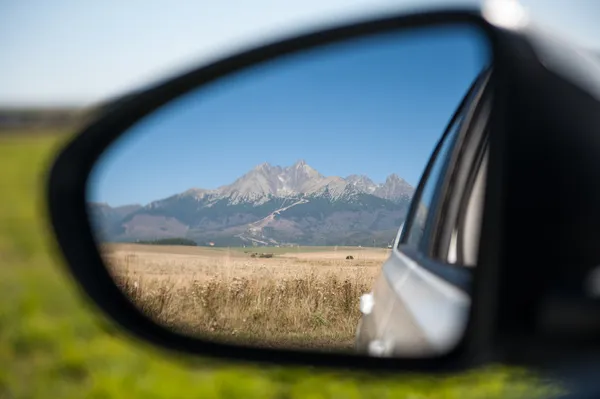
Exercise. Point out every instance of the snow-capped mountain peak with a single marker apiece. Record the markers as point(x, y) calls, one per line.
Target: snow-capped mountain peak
point(266, 180)
point(362, 182)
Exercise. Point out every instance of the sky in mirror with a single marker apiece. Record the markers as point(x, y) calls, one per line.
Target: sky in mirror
point(372, 106)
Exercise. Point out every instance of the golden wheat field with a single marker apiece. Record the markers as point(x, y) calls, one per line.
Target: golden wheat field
point(304, 298)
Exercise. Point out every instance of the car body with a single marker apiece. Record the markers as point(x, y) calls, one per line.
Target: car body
point(419, 306)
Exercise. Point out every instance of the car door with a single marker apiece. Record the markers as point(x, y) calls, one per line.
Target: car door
point(419, 303)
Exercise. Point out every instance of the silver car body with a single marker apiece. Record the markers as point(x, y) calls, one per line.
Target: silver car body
point(410, 311)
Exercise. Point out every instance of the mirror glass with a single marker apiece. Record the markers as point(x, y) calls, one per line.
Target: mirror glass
point(261, 208)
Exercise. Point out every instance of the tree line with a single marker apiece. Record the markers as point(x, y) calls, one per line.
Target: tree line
point(170, 241)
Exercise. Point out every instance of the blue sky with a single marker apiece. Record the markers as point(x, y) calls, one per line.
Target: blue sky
point(373, 106)
point(80, 52)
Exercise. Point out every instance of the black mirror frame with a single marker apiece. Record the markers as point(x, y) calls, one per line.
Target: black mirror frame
point(66, 195)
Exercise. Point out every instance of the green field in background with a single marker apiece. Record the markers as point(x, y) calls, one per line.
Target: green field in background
point(53, 344)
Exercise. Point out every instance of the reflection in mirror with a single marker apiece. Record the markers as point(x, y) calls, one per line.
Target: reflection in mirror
point(259, 209)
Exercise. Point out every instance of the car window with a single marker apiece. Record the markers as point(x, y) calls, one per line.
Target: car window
point(435, 177)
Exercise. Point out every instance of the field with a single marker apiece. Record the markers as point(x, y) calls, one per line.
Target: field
point(301, 297)
point(54, 344)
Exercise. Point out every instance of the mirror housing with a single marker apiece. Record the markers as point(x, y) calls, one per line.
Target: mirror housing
point(490, 335)
point(70, 219)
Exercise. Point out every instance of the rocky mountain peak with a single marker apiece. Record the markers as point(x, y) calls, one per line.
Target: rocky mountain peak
point(362, 182)
point(262, 167)
point(197, 193)
point(394, 188)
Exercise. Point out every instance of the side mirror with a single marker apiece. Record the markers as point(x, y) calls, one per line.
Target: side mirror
point(222, 213)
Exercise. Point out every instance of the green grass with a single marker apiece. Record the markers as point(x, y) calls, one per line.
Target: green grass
point(53, 344)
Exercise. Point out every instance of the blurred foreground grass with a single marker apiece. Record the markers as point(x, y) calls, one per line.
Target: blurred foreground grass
point(53, 346)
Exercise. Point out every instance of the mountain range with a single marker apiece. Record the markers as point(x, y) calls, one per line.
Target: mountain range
point(269, 205)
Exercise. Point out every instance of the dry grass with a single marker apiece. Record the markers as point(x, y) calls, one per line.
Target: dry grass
point(305, 300)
